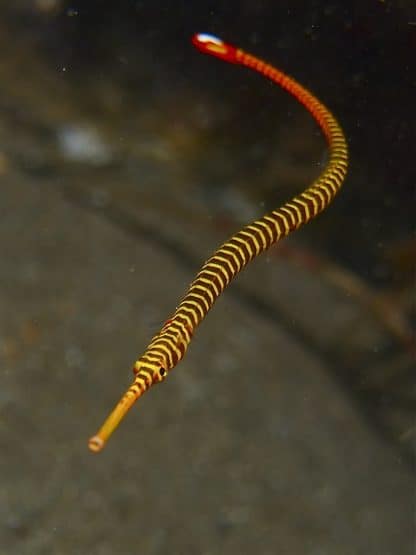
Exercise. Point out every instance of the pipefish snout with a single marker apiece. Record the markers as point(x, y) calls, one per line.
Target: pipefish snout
point(169, 345)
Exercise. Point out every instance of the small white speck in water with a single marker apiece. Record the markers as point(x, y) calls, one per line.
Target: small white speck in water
point(83, 144)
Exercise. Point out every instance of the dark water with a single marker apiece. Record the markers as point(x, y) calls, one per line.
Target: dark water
point(126, 159)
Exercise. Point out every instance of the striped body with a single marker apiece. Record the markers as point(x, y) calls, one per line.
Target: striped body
point(168, 346)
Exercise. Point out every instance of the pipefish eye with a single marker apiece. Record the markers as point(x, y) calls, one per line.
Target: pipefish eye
point(162, 371)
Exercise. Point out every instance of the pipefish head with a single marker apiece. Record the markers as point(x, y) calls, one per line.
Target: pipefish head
point(163, 353)
point(150, 369)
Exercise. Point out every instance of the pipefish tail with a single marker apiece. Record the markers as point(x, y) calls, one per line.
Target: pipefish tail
point(169, 345)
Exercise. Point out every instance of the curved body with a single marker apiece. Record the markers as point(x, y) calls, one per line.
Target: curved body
point(169, 345)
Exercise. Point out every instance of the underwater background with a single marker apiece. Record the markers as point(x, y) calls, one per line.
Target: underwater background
point(126, 159)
